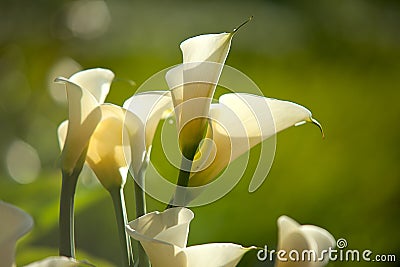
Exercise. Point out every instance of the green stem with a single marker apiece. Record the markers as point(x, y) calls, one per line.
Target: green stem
point(183, 181)
point(66, 219)
point(117, 196)
point(140, 199)
point(183, 178)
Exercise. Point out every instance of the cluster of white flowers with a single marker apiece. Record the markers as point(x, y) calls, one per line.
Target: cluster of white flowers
point(111, 139)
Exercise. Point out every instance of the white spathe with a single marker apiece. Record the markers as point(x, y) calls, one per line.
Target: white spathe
point(109, 151)
point(207, 47)
point(14, 223)
point(293, 236)
point(163, 236)
point(149, 108)
point(114, 137)
point(193, 83)
point(95, 130)
point(86, 91)
point(238, 122)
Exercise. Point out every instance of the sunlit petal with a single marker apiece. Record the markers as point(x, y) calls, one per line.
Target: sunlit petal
point(293, 236)
point(108, 154)
point(14, 223)
point(215, 255)
point(164, 236)
point(56, 262)
point(207, 47)
point(96, 81)
point(255, 113)
point(193, 83)
point(84, 114)
point(324, 240)
point(62, 133)
point(239, 122)
point(150, 107)
point(170, 226)
point(192, 90)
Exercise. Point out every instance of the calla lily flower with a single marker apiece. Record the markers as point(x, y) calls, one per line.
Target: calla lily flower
point(193, 83)
point(164, 235)
point(86, 91)
point(116, 137)
point(109, 154)
point(14, 223)
point(148, 108)
point(234, 125)
point(238, 122)
point(109, 139)
point(124, 136)
point(295, 237)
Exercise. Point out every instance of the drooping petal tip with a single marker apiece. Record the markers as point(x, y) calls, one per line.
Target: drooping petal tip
point(314, 121)
point(60, 80)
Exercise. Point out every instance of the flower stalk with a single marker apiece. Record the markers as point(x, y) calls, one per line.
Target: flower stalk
point(117, 195)
point(140, 197)
point(140, 201)
point(183, 181)
point(66, 219)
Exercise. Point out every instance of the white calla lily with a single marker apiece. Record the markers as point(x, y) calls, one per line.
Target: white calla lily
point(108, 138)
point(86, 91)
point(120, 139)
point(109, 151)
point(238, 122)
point(295, 237)
point(193, 83)
point(14, 223)
point(164, 235)
point(136, 127)
point(149, 108)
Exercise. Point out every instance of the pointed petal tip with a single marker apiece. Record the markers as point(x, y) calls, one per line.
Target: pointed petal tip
point(314, 121)
point(242, 24)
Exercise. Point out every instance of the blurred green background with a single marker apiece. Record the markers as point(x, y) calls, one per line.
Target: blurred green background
point(341, 59)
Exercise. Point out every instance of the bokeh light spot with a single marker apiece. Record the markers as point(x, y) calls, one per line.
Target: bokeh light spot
point(88, 19)
point(23, 162)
